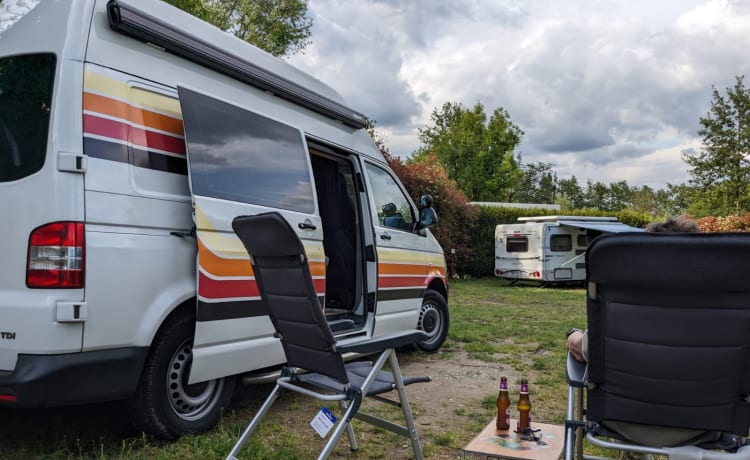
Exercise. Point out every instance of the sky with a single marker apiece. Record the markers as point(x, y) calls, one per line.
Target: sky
point(604, 90)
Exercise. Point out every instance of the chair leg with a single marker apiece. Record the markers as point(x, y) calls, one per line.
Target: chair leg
point(578, 415)
point(349, 430)
point(405, 406)
point(343, 425)
point(254, 423)
point(570, 431)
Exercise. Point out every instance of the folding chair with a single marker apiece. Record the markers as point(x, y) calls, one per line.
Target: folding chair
point(281, 270)
point(668, 347)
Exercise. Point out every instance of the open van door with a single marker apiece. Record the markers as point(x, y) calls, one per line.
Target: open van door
point(241, 163)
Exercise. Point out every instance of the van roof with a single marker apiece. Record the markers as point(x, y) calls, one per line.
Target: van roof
point(185, 35)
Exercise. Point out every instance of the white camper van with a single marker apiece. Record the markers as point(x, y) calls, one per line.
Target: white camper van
point(131, 134)
point(549, 249)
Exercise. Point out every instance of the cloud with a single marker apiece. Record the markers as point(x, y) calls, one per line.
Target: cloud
point(592, 84)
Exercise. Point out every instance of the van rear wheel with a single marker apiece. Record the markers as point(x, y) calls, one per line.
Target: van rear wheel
point(434, 320)
point(164, 405)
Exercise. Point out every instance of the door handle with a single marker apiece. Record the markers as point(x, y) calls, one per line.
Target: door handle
point(385, 236)
point(307, 225)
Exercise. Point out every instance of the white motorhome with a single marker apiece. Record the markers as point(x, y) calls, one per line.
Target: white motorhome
point(549, 249)
point(131, 134)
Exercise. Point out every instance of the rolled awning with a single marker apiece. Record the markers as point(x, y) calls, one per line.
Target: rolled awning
point(605, 227)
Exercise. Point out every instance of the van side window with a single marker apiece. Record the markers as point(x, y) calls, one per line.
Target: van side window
point(392, 206)
point(26, 98)
point(517, 244)
point(560, 243)
point(582, 240)
point(238, 155)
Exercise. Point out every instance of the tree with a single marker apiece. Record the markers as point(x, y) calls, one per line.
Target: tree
point(477, 153)
point(570, 194)
point(280, 27)
point(720, 171)
point(538, 184)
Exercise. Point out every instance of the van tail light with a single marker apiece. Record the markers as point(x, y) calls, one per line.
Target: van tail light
point(56, 256)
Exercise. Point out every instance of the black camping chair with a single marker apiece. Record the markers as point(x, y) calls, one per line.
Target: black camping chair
point(283, 276)
point(668, 347)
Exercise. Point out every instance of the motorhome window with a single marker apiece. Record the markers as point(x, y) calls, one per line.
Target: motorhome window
point(517, 244)
point(26, 99)
point(238, 155)
point(560, 243)
point(582, 240)
point(391, 204)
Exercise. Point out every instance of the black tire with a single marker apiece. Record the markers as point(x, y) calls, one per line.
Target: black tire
point(164, 405)
point(433, 319)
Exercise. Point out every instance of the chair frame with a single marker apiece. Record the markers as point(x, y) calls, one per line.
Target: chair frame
point(346, 384)
point(668, 254)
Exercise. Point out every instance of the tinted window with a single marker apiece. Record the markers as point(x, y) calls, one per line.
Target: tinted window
point(25, 98)
point(239, 155)
point(517, 244)
point(560, 243)
point(582, 240)
point(391, 204)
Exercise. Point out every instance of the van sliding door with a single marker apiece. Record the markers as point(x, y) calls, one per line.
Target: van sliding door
point(241, 163)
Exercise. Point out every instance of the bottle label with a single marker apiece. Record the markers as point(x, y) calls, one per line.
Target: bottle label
point(524, 389)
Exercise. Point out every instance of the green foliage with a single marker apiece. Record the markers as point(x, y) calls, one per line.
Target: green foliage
point(280, 27)
point(477, 153)
point(720, 171)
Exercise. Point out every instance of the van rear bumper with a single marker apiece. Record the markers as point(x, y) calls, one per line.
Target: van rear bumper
point(56, 380)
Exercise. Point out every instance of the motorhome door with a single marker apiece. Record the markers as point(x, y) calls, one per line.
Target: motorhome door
point(241, 163)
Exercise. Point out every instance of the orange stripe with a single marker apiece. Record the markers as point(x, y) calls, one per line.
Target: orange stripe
point(407, 269)
point(114, 108)
point(219, 266)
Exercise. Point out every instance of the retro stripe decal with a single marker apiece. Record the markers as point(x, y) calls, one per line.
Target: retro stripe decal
point(226, 283)
point(132, 125)
point(405, 274)
point(230, 310)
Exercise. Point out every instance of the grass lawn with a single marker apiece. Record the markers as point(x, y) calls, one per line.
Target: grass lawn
point(520, 330)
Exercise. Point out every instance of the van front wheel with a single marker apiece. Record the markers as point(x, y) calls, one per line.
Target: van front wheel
point(164, 405)
point(434, 320)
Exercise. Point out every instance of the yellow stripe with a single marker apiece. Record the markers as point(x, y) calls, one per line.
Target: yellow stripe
point(389, 255)
point(228, 245)
point(94, 81)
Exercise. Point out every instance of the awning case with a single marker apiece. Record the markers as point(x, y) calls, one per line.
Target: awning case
point(605, 227)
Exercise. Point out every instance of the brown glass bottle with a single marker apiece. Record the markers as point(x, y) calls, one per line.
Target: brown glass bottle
point(503, 405)
point(524, 408)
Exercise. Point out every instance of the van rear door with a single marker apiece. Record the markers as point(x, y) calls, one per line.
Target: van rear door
point(241, 163)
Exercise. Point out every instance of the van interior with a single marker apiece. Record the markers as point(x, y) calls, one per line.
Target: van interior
point(339, 212)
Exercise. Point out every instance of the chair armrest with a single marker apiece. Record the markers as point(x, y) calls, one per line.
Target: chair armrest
point(383, 342)
point(575, 372)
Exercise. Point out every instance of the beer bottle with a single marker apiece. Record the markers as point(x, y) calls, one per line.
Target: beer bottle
point(503, 405)
point(524, 408)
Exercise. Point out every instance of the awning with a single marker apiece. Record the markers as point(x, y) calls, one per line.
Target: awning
point(604, 227)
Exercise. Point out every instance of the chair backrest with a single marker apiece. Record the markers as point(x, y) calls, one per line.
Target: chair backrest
point(669, 330)
point(283, 275)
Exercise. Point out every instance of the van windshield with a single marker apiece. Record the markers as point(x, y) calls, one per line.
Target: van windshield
point(25, 101)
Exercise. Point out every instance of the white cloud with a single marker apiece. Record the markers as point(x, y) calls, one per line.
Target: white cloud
point(603, 89)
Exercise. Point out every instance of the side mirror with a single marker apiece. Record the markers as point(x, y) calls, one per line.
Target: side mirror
point(427, 215)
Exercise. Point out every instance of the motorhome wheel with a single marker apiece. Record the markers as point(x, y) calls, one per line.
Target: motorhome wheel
point(164, 404)
point(433, 319)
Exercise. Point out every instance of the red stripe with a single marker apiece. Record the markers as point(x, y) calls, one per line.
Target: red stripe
point(392, 282)
point(210, 288)
point(220, 289)
point(139, 136)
